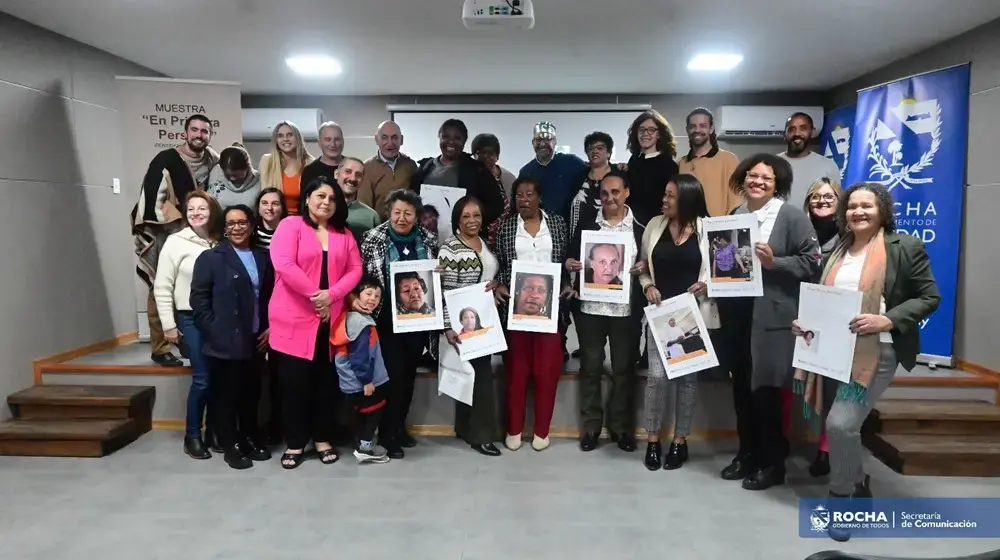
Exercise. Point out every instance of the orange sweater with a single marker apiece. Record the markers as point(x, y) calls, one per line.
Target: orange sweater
point(714, 171)
point(291, 189)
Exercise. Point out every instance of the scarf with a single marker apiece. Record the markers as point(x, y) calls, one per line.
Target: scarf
point(395, 240)
point(867, 347)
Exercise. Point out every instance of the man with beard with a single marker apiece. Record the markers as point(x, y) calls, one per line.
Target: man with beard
point(711, 165)
point(172, 175)
point(559, 174)
point(807, 165)
point(386, 171)
point(331, 144)
point(360, 216)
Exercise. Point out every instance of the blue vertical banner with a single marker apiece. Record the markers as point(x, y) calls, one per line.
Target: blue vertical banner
point(835, 140)
point(911, 135)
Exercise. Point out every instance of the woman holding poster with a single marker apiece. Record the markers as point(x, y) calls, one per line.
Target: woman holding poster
point(536, 236)
point(465, 261)
point(599, 322)
point(759, 331)
point(397, 240)
point(893, 273)
point(676, 244)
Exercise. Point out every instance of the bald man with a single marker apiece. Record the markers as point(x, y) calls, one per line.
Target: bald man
point(387, 171)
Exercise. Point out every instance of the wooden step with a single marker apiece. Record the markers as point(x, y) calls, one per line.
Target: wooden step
point(937, 455)
point(944, 417)
point(66, 438)
point(84, 402)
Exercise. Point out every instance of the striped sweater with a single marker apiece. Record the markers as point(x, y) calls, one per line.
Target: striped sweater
point(461, 267)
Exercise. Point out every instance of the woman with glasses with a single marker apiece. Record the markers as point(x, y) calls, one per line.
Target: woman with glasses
point(757, 332)
point(486, 149)
point(586, 205)
point(230, 291)
point(652, 166)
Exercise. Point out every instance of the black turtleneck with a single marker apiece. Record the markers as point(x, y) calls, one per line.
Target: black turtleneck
point(647, 178)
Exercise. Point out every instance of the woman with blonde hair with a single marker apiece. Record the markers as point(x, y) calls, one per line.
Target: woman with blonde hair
point(282, 167)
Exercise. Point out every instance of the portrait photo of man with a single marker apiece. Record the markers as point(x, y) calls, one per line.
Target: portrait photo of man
point(533, 295)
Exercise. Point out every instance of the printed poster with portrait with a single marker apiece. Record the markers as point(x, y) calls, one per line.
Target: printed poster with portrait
point(680, 335)
point(607, 258)
point(826, 346)
point(474, 317)
point(416, 296)
point(534, 297)
point(442, 200)
point(734, 269)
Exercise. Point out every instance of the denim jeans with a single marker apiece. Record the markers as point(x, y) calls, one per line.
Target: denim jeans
point(198, 394)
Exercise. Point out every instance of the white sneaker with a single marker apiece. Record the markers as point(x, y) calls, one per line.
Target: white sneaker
point(540, 444)
point(372, 454)
point(513, 442)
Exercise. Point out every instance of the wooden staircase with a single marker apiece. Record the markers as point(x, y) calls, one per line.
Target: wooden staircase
point(75, 420)
point(935, 438)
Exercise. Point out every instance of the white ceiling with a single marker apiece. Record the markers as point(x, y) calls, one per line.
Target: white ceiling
point(577, 46)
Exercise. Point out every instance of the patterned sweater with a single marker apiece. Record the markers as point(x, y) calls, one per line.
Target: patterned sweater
point(462, 267)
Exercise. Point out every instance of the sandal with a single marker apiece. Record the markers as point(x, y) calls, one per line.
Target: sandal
point(295, 458)
point(328, 456)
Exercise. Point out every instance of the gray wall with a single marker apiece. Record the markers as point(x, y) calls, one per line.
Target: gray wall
point(64, 237)
point(978, 304)
point(361, 115)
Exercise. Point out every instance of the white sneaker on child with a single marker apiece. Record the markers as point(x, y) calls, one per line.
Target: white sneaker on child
point(371, 453)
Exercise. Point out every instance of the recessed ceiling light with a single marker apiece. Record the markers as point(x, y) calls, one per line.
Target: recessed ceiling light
point(314, 66)
point(715, 61)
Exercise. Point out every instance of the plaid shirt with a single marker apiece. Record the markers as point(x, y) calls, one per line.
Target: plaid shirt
point(506, 254)
point(374, 250)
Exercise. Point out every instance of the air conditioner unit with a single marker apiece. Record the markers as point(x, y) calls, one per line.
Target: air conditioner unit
point(745, 121)
point(498, 13)
point(258, 124)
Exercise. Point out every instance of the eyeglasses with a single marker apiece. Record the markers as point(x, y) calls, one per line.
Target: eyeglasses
point(828, 197)
point(238, 224)
point(648, 131)
point(762, 178)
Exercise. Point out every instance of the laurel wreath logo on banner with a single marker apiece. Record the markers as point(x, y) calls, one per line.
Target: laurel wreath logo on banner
point(882, 170)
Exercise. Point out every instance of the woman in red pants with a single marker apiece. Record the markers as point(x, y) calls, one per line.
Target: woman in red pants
point(530, 234)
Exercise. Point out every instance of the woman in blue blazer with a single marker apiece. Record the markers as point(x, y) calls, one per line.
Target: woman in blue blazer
point(230, 289)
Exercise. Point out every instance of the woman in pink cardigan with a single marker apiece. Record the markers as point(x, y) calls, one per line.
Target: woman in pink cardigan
point(316, 265)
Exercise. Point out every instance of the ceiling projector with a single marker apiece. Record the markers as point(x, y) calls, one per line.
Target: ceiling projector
point(477, 14)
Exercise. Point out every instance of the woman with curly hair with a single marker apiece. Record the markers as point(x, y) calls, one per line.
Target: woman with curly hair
point(653, 147)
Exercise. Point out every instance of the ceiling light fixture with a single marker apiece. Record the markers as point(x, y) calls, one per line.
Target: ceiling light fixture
point(314, 66)
point(715, 61)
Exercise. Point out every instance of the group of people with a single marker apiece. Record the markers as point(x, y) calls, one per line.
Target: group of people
point(283, 273)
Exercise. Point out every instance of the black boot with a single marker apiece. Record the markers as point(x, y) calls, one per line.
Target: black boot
point(589, 441)
point(195, 448)
point(654, 456)
point(863, 490)
point(820, 465)
point(236, 459)
point(738, 469)
point(762, 479)
point(406, 440)
point(676, 456)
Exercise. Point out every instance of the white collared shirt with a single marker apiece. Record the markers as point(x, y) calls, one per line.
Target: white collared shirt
point(390, 162)
point(766, 217)
point(537, 248)
point(614, 309)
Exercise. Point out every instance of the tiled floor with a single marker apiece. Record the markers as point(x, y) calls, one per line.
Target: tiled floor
point(443, 502)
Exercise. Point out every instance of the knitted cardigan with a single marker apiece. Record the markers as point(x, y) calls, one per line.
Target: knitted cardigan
point(462, 267)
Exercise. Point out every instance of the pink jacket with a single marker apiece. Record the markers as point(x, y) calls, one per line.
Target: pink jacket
point(297, 257)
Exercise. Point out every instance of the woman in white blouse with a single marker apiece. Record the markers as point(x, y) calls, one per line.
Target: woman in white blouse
point(535, 235)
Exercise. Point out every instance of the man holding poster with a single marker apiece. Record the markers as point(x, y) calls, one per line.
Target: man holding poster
point(172, 175)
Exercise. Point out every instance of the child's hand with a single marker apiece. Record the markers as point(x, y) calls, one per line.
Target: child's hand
point(369, 389)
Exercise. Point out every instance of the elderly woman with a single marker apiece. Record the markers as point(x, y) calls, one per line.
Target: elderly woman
point(281, 168)
point(398, 239)
point(586, 205)
point(893, 273)
point(676, 244)
point(535, 235)
point(760, 338)
point(316, 265)
point(172, 291)
point(230, 291)
point(617, 324)
point(466, 260)
point(486, 149)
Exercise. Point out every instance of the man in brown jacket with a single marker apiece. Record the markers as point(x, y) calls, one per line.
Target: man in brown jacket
point(387, 170)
